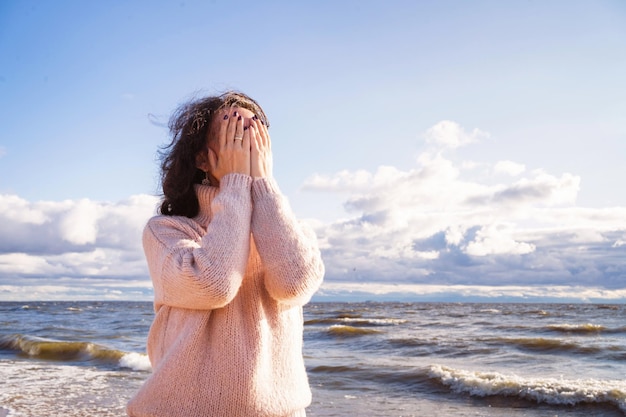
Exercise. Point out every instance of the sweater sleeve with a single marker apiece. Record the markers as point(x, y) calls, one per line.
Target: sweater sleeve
point(204, 274)
point(288, 249)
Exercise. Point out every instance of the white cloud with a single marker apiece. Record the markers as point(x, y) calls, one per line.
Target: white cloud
point(19, 210)
point(495, 239)
point(541, 188)
point(72, 239)
point(509, 168)
point(449, 134)
point(80, 224)
point(435, 224)
point(15, 264)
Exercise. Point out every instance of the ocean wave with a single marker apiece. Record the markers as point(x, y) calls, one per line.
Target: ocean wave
point(614, 307)
point(135, 361)
point(347, 331)
point(490, 310)
point(546, 390)
point(586, 328)
point(355, 375)
point(414, 342)
point(576, 328)
point(548, 345)
point(336, 369)
point(536, 313)
point(357, 321)
point(71, 351)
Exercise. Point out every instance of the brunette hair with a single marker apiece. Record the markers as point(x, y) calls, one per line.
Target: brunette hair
point(190, 128)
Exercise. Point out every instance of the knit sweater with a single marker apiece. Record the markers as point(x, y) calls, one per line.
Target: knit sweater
point(229, 286)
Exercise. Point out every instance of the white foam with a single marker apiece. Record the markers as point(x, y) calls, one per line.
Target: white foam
point(548, 390)
point(135, 361)
point(35, 388)
point(577, 327)
point(379, 322)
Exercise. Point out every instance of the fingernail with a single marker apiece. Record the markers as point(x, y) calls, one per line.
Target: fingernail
point(239, 118)
point(235, 114)
point(255, 118)
point(245, 128)
point(225, 117)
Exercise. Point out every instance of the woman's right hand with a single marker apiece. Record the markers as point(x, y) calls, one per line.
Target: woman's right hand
point(230, 151)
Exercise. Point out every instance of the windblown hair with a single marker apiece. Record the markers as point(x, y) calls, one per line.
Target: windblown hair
point(190, 129)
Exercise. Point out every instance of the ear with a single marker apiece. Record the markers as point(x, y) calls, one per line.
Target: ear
point(202, 161)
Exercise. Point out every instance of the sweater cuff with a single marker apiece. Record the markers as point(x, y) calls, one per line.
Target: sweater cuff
point(263, 186)
point(235, 180)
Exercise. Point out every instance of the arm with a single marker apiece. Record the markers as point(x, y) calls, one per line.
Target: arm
point(288, 249)
point(204, 274)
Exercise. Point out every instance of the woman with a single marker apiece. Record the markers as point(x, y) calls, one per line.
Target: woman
point(231, 269)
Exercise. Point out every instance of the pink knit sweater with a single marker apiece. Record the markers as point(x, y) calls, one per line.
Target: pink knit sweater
point(229, 286)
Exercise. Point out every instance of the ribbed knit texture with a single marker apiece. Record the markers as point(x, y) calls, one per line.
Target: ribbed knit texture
point(229, 286)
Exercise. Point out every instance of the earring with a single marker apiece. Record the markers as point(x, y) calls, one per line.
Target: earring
point(206, 180)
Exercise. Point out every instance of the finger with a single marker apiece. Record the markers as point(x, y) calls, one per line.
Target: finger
point(254, 140)
point(263, 133)
point(247, 138)
point(223, 129)
point(254, 145)
point(232, 126)
point(238, 135)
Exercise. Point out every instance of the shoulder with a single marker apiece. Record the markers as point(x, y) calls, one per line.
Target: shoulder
point(162, 225)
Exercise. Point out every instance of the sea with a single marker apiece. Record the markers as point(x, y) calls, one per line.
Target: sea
point(363, 359)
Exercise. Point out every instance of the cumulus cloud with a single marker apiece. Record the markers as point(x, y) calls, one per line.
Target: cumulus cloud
point(509, 168)
point(541, 188)
point(72, 240)
point(449, 134)
point(80, 224)
point(496, 239)
point(434, 224)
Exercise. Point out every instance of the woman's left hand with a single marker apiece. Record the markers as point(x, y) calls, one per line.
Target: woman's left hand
point(260, 150)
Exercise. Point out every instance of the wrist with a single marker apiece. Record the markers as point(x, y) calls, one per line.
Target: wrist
point(263, 186)
point(236, 179)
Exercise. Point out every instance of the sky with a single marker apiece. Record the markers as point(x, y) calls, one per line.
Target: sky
point(442, 150)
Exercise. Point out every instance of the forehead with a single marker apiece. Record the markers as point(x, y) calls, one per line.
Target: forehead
point(247, 114)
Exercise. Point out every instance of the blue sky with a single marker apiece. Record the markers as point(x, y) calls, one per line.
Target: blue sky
point(442, 150)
